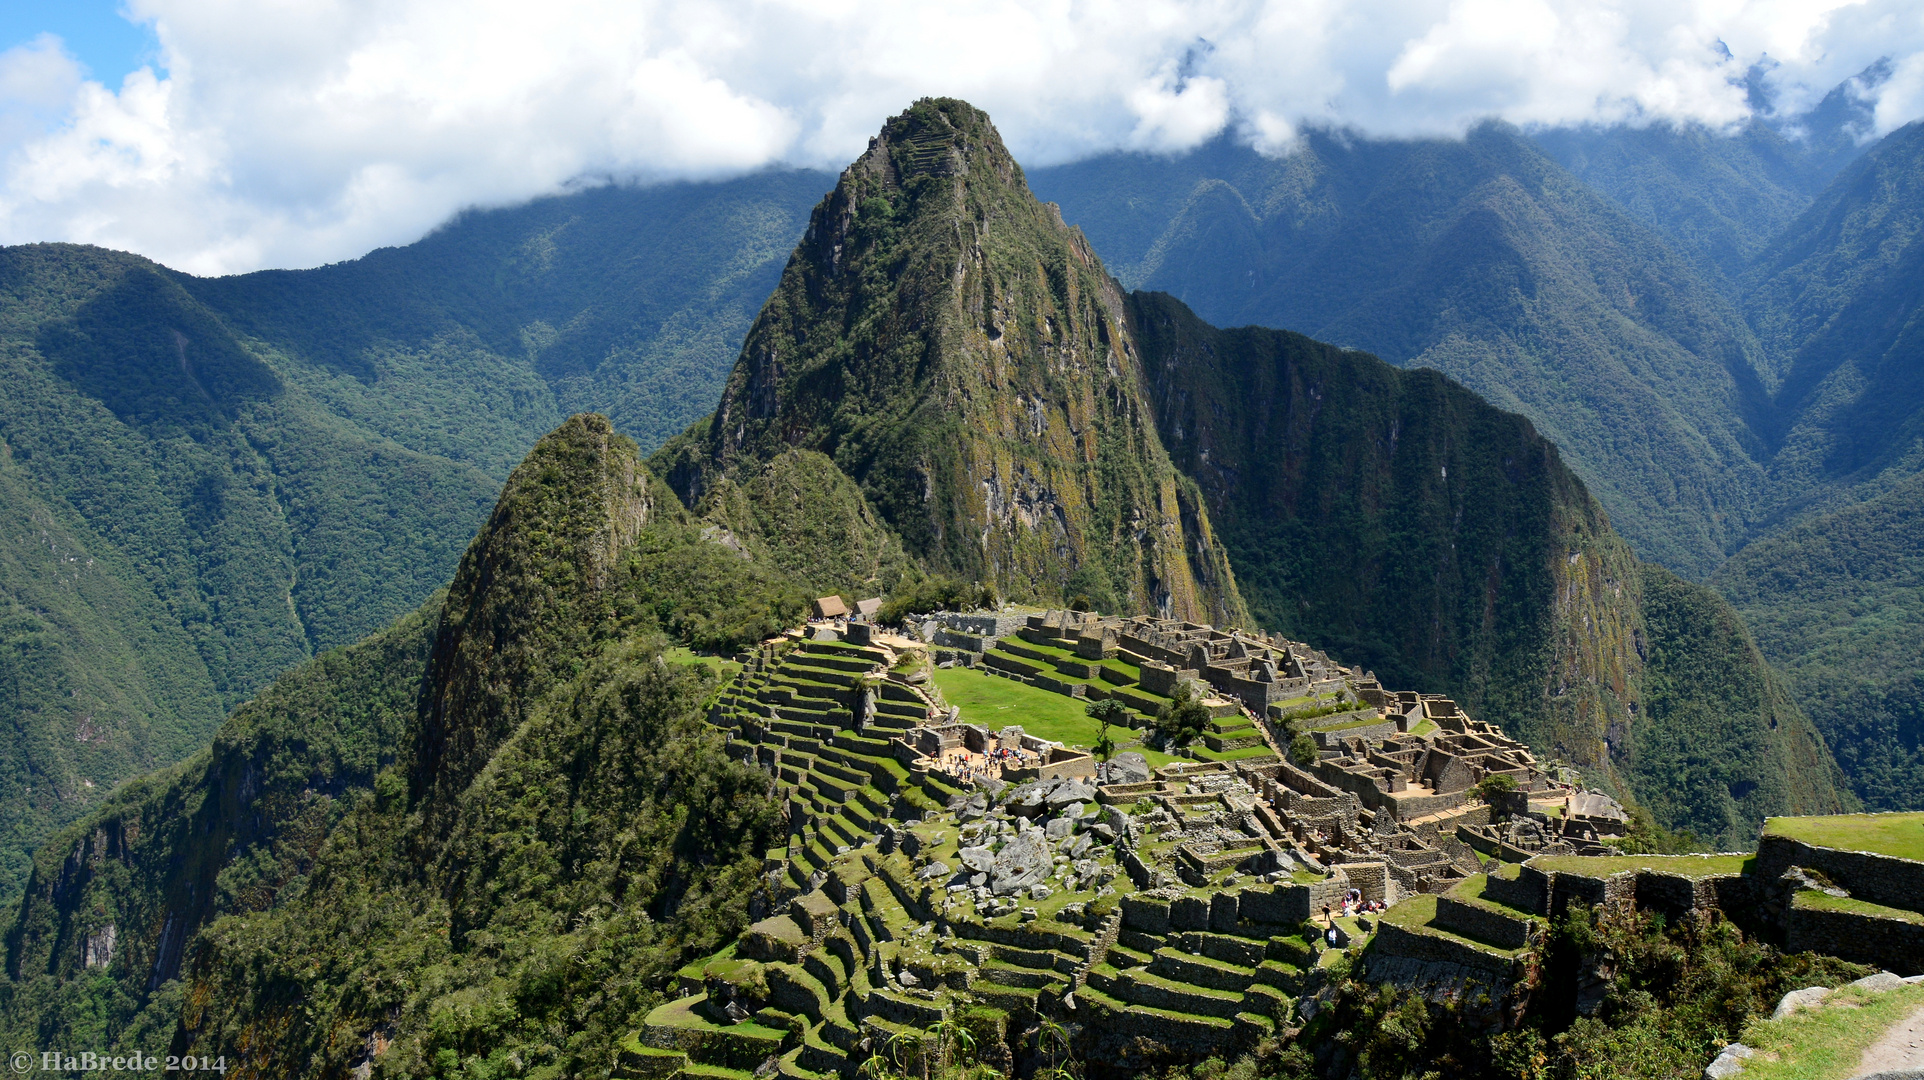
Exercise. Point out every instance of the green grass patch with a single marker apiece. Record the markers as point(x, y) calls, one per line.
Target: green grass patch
point(1418, 912)
point(1828, 1042)
point(681, 1014)
point(994, 703)
point(1813, 900)
point(687, 657)
point(1693, 866)
point(1901, 835)
point(1204, 753)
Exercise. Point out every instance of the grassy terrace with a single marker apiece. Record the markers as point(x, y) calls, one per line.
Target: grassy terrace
point(1826, 1043)
point(994, 703)
point(1470, 891)
point(681, 1014)
point(1418, 912)
point(1901, 835)
point(1811, 899)
point(1694, 866)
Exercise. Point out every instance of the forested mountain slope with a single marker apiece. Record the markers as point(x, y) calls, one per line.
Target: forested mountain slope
point(1484, 259)
point(207, 481)
point(180, 525)
point(571, 824)
point(1539, 292)
point(1838, 299)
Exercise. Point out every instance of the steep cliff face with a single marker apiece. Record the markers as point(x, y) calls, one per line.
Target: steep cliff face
point(1408, 525)
point(962, 354)
point(114, 901)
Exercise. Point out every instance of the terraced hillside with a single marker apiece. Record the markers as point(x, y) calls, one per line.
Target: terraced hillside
point(946, 870)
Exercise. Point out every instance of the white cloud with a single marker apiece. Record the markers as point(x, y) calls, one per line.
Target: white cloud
point(295, 132)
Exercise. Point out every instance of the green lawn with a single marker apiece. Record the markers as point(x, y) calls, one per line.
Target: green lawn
point(1901, 835)
point(1696, 866)
point(994, 703)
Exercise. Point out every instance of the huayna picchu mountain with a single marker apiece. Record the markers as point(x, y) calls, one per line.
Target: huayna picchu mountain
point(482, 842)
point(944, 339)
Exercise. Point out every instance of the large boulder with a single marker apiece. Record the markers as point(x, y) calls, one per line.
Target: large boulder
point(1128, 768)
point(1070, 791)
point(1022, 862)
point(979, 859)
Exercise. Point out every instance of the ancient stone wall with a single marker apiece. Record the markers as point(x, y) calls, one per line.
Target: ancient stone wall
point(1481, 923)
point(1393, 940)
point(1529, 892)
point(1879, 879)
point(1371, 878)
point(1570, 889)
point(1893, 944)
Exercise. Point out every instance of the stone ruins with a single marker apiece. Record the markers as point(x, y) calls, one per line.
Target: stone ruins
point(942, 858)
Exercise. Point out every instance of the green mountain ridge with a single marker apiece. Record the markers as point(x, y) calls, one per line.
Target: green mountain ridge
point(1416, 530)
point(1309, 465)
point(1766, 429)
point(197, 906)
point(247, 471)
point(483, 840)
point(1482, 258)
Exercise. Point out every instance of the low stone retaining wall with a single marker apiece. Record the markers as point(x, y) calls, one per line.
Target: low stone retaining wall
point(1394, 940)
point(1481, 923)
point(1893, 944)
point(1878, 879)
point(1567, 889)
point(1529, 892)
point(724, 1046)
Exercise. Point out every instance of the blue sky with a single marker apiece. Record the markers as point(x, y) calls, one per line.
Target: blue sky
point(95, 32)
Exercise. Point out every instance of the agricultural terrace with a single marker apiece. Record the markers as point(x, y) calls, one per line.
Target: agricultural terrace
point(1899, 835)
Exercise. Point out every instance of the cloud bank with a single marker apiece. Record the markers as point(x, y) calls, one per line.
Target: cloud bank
point(292, 133)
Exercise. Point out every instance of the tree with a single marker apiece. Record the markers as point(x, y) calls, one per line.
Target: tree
point(1302, 749)
point(917, 594)
point(1492, 789)
point(1106, 712)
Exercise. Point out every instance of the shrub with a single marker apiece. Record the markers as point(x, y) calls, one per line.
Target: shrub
point(1183, 717)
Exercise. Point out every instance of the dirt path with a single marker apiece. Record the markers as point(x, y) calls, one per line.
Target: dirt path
point(1902, 1047)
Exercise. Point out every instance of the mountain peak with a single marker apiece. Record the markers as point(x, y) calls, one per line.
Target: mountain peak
point(940, 137)
point(959, 352)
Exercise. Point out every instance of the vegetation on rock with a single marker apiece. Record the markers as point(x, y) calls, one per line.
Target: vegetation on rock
point(961, 354)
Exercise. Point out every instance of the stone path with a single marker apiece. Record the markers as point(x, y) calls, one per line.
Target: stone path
point(1902, 1047)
